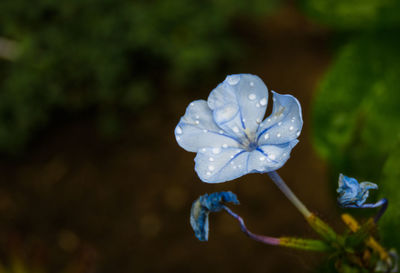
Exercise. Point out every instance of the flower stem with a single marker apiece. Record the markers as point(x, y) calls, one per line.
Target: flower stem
point(289, 194)
point(316, 223)
point(298, 243)
point(383, 203)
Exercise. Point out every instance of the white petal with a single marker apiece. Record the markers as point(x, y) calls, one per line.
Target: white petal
point(268, 158)
point(239, 103)
point(229, 164)
point(285, 122)
point(197, 129)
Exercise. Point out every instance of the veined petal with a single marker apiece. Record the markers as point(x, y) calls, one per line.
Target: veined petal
point(285, 122)
point(268, 158)
point(197, 129)
point(216, 165)
point(239, 104)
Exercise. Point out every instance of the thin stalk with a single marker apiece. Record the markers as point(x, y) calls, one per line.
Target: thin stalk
point(289, 194)
point(298, 243)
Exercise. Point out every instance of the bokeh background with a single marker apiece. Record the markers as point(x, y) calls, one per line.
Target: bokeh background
point(91, 178)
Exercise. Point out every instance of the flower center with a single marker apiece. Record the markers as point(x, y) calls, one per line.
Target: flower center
point(252, 146)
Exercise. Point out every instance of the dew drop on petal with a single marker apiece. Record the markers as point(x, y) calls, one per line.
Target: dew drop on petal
point(211, 167)
point(293, 119)
point(284, 154)
point(231, 158)
point(236, 129)
point(251, 83)
point(257, 105)
point(278, 135)
point(197, 116)
point(216, 150)
point(244, 120)
point(211, 159)
point(258, 121)
point(252, 96)
point(178, 137)
point(266, 136)
point(203, 150)
point(205, 130)
point(298, 133)
point(197, 122)
point(279, 123)
point(269, 120)
point(192, 104)
point(232, 163)
point(234, 79)
point(221, 132)
point(208, 173)
point(179, 130)
point(263, 101)
point(262, 158)
point(272, 156)
point(225, 145)
point(291, 128)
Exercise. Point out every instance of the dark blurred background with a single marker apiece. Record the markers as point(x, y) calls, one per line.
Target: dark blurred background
point(91, 178)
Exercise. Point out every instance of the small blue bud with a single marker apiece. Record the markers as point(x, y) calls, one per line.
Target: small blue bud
point(353, 194)
point(202, 207)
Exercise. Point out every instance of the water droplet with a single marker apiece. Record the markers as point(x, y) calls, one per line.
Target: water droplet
point(284, 154)
point(208, 173)
point(263, 101)
point(203, 150)
point(252, 96)
point(269, 120)
point(197, 116)
point(244, 120)
point(197, 122)
point(293, 119)
point(257, 105)
point(216, 150)
point(234, 79)
point(179, 130)
point(251, 83)
point(291, 128)
point(262, 158)
point(232, 163)
point(273, 99)
point(211, 167)
point(266, 136)
point(178, 138)
point(192, 104)
point(225, 145)
point(211, 159)
point(272, 156)
point(231, 158)
point(205, 130)
point(298, 133)
point(279, 123)
point(278, 134)
point(236, 129)
point(258, 121)
point(221, 132)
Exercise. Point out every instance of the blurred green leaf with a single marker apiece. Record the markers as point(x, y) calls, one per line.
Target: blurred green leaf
point(356, 115)
point(354, 14)
point(390, 222)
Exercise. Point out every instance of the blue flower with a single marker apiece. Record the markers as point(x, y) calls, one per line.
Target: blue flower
point(353, 194)
point(202, 207)
point(228, 132)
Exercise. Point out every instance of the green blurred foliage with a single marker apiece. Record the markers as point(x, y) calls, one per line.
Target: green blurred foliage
point(110, 56)
point(354, 14)
point(356, 115)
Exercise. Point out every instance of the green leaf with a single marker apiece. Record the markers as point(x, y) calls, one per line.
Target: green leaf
point(356, 115)
point(390, 222)
point(354, 14)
